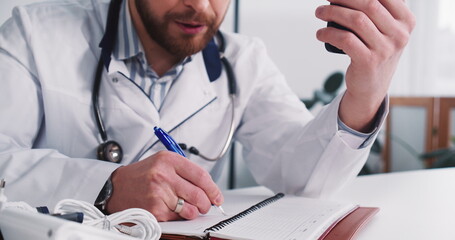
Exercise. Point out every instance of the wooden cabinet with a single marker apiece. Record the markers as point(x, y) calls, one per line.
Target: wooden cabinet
point(416, 125)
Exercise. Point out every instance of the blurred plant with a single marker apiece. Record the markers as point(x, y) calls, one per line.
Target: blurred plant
point(328, 92)
point(442, 157)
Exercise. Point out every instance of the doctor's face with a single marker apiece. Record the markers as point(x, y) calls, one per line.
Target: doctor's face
point(182, 27)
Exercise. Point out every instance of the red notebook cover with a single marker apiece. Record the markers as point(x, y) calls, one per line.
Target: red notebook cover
point(348, 226)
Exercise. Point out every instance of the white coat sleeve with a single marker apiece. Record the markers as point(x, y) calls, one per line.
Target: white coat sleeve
point(285, 147)
point(41, 177)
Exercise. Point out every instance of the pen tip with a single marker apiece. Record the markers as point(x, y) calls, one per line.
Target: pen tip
point(222, 210)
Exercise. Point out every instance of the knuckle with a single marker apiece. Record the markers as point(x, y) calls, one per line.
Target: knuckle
point(380, 57)
point(204, 176)
point(191, 212)
point(401, 39)
point(409, 20)
point(360, 20)
point(372, 6)
point(197, 196)
point(156, 192)
point(157, 175)
point(347, 40)
point(199, 175)
point(162, 155)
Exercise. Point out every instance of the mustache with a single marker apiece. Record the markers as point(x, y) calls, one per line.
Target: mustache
point(191, 16)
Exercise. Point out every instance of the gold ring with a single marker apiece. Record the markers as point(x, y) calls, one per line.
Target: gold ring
point(179, 206)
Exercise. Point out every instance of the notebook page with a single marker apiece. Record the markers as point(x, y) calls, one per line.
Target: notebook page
point(233, 204)
point(288, 218)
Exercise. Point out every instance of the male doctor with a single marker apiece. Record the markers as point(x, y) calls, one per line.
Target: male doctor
point(157, 75)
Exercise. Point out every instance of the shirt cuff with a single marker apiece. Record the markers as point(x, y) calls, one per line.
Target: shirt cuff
point(356, 139)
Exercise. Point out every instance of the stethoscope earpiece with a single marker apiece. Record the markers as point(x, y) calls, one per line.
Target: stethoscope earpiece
point(110, 151)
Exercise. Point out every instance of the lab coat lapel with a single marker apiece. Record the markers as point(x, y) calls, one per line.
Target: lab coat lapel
point(94, 33)
point(129, 93)
point(188, 95)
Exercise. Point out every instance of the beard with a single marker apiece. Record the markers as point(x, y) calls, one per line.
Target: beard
point(179, 46)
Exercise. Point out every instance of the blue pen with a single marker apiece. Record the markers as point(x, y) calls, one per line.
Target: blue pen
point(168, 141)
point(172, 146)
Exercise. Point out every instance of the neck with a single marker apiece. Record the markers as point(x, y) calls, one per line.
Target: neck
point(157, 57)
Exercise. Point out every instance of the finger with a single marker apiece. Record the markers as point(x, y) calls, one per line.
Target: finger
point(200, 178)
point(354, 20)
point(401, 12)
point(384, 13)
point(187, 211)
point(192, 194)
point(397, 8)
point(344, 40)
point(169, 205)
point(165, 210)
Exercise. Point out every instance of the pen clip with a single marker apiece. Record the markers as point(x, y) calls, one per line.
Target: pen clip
point(168, 141)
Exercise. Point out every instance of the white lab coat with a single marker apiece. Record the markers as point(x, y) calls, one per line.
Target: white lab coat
point(48, 134)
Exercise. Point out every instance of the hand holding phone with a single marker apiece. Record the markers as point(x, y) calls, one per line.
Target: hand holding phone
point(329, 47)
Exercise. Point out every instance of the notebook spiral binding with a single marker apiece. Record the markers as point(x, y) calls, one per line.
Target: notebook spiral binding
point(252, 209)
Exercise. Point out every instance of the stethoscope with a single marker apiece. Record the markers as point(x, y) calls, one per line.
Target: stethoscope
point(110, 150)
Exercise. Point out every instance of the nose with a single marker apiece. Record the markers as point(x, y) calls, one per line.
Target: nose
point(197, 5)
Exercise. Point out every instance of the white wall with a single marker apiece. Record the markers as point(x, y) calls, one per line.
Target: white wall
point(288, 28)
point(426, 68)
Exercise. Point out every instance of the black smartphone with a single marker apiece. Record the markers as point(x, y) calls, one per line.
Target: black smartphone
point(329, 46)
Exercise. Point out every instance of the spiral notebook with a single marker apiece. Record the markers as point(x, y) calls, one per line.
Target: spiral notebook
point(275, 217)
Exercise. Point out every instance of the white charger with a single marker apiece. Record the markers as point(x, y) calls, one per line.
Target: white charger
point(18, 220)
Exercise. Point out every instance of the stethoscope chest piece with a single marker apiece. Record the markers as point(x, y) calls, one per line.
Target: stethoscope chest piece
point(110, 151)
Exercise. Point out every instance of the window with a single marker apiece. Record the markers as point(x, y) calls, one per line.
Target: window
point(427, 66)
point(445, 40)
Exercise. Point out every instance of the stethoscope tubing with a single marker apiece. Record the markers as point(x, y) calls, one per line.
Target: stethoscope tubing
point(107, 44)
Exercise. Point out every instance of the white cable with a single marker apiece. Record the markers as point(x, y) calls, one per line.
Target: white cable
point(4, 204)
point(145, 226)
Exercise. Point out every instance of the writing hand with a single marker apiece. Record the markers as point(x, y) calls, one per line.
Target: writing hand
point(156, 183)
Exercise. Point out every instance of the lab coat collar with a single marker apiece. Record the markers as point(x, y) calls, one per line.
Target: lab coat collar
point(101, 10)
point(193, 86)
point(189, 94)
point(212, 60)
point(107, 44)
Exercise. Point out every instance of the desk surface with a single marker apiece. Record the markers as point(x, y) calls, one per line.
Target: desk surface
point(414, 205)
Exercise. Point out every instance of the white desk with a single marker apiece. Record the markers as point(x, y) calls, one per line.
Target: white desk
point(413, 205)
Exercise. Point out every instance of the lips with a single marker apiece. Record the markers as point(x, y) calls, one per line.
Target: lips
point(191, 27)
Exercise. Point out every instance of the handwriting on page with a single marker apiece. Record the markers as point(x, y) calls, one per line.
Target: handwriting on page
point(289, 218)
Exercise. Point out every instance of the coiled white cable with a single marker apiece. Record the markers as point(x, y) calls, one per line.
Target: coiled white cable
point(145, 226)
